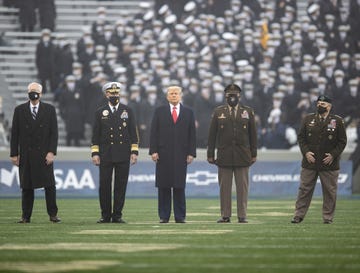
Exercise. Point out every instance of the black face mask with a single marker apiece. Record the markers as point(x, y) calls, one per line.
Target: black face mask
point(33, 95)
point(113, 100)
point(321, 109)
point(232, 100)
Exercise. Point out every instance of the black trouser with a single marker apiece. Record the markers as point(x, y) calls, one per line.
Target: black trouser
point(27, 202)
point(120, 183)
point(164, 203)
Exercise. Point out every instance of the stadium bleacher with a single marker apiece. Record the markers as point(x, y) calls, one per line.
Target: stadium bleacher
point(17, 55)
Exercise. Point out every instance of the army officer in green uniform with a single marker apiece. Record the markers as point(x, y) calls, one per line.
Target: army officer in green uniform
point(114, 146)
point(322, 139)
point(233, 133)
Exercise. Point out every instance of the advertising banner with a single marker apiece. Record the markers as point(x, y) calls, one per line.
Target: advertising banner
point(267, 178)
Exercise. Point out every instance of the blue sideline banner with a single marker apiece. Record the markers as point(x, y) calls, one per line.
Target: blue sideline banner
point(267, 178)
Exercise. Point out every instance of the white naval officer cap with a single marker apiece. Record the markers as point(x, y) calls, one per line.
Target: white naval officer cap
point(112, 87)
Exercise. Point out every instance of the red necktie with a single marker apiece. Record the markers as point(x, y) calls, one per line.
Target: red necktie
point(174, 114)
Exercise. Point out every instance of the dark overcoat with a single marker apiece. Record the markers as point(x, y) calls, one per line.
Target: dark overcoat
point(72, 110)
point(173, 143)
point(45, 59)
point(32, 140)
point(320, 138)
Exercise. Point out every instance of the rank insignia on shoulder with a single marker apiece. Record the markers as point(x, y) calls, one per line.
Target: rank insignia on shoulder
point(124, 114)
point(221, 116)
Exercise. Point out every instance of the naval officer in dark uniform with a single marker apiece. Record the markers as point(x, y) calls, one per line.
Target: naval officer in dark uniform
point(322, 139)
point(115, 144)
point(233, 133)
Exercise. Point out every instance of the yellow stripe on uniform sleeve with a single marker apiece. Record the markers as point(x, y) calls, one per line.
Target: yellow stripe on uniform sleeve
point(95, 148)
point(134, 147)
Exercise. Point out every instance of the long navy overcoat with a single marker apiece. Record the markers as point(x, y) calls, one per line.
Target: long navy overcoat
point(173, 143)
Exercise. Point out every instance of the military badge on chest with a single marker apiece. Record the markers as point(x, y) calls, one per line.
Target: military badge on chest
point(245, 114)
point(105, 114)
point(331, 128)
point(125, 117)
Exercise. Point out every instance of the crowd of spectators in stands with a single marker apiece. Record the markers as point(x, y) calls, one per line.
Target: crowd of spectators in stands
point(31, 11)
point(282, 62)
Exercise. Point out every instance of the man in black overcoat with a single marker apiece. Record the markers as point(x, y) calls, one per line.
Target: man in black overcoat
point(34, 139)
point(45, 60)
point(47, 14)
point(172, 147)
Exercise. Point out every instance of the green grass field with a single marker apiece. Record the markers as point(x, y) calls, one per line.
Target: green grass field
point(268, 243)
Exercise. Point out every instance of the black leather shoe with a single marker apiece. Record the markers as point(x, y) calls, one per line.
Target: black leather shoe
point(242, 220)
point(163, 221)
point(118, 221)
point(180, 221)
point(328, 221)
point(224, 220)
point(103, 221)
point(55, 219)
point(23, 221)
point(296, 220)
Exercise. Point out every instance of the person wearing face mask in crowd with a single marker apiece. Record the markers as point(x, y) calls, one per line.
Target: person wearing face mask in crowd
point(147, 109)
point(352, 102)
point(114, 146)
point(233, 133)
point(72, 110)
point(45, 61)
point(322, 139)
point(203, 106)
point(339, 89)
point(33, 146)
point(63, 59)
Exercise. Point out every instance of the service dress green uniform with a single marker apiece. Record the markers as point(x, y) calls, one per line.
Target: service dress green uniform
point(320, 137)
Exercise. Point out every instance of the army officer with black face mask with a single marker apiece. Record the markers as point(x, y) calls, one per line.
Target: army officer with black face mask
point(114, 147)
point(322, 139)
point(233, 133)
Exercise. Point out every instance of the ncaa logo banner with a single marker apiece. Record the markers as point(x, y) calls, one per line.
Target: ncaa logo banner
point(81, 178)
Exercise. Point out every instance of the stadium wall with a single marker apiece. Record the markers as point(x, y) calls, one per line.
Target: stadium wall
point(276, 173)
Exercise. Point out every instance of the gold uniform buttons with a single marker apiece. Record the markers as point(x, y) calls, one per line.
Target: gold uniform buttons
point(111, 128)
point(111, 136)
point(112, 143)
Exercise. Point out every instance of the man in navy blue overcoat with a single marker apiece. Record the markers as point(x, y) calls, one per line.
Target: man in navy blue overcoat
point(172, 147)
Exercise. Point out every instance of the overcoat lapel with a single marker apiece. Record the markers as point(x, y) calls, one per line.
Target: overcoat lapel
point(27, 114)
point(40, 113)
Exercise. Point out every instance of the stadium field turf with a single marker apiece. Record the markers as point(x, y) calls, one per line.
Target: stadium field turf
point(268, 243)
